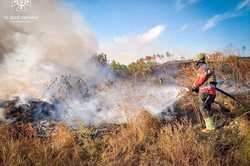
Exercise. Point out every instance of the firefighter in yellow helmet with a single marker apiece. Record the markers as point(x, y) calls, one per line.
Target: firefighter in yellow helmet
point(205, 85)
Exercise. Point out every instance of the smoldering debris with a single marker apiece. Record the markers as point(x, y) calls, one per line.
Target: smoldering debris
point(33, 54)
point(31, 111)
point(66, 87)
point(39, 116)
point(72, 100)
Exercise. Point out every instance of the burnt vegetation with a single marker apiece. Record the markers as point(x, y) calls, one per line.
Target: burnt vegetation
point(34, 134)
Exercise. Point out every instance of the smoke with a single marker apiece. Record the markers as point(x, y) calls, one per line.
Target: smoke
point(112, 104)
point(55, 42)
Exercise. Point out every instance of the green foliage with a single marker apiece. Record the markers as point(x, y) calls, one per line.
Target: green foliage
point(119, 68)
point(139, 69)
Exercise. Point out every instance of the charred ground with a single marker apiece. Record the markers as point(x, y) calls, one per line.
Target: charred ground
point(35, 135)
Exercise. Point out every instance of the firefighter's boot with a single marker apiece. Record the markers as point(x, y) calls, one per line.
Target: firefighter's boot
point(209, 125)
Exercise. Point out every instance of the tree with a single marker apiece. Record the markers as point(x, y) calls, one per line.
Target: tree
point(140, 68)
point(119, 69)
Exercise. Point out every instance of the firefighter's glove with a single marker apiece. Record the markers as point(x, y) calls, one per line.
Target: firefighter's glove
point(195, 89)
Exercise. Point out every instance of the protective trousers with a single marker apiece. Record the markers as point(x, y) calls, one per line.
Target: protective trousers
point(205, 101)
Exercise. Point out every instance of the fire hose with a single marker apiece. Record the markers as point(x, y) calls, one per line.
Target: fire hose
point(244, 113)
point(247, 112)
point(233, 98)
point(227, 94)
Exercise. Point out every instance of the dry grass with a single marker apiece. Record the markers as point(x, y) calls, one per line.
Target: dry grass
point(227, 68)
point(143, 141)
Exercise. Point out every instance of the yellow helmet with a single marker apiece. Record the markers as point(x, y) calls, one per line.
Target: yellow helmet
point(200, 57)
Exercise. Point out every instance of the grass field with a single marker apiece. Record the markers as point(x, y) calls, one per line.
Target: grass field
point(145, 140)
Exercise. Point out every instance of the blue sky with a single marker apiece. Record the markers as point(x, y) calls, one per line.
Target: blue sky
point(130, 29)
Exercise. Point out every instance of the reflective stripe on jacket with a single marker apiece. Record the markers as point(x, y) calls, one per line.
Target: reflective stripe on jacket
point(208, 89)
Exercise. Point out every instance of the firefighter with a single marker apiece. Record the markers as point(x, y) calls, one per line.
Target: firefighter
point(205, 85)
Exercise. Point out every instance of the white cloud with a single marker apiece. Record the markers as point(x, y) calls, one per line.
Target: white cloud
point(216, 19)
point(146, 37)
point(127, 49)
point(212, 22)
point(184, 27)
point(243, 4)
point(181, 4)
point(152, 34)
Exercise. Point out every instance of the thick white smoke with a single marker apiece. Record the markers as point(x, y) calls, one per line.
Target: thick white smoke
point(56, 41)
point(119, 103)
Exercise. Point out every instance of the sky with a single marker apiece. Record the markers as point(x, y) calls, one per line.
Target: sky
point(130, 29)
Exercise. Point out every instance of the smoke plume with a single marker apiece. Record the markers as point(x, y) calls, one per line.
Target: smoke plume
point(48, 57)
point(55, 42)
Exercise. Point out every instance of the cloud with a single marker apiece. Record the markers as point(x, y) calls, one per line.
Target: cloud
point(242, 7)
point(243, 4)
point(184, 27)
point(127, 49)
point(146, 37)
point(181, 4)
point(212, 22)
point(152, 34)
